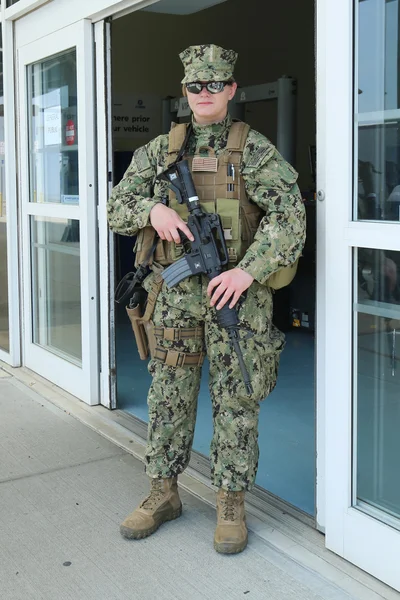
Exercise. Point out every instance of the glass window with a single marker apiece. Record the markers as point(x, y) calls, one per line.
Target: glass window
point(377, 111)
point(56, 290)
point(4, 322)
point(53, 177)
point(11, 2)
point(53, 130)
point(377, 382)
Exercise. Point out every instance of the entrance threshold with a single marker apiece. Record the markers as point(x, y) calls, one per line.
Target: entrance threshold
point(259, 499)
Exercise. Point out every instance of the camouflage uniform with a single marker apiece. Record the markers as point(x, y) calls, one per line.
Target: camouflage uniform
point(271, 183)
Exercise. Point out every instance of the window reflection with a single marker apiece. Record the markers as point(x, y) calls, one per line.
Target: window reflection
point(56, 291)
point(53, 131)
point(379, 173)
point(378, 276)
point(377, 381)
point(377, 111)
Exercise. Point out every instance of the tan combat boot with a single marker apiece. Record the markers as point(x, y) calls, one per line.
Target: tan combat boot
point(231, 532)
point(161, 505)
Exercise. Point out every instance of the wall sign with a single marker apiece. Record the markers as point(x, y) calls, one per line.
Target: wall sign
point(52, 126)
point(136, 116)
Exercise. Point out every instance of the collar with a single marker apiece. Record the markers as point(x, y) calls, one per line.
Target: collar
point(213, 129)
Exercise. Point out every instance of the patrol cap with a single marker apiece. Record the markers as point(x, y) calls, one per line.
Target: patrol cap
point(207, 63)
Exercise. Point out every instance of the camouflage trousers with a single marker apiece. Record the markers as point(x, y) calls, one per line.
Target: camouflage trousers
point(172, 397)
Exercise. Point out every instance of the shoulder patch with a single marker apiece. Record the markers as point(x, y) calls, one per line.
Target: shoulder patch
point(257, 157)
point(142, 160)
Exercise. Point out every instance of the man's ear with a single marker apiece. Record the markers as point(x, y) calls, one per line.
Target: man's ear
point(232, 91)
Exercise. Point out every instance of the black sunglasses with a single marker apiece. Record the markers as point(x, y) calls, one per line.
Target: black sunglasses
point(214, 87)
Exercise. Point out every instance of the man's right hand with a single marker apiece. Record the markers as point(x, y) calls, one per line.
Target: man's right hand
point(167, 222)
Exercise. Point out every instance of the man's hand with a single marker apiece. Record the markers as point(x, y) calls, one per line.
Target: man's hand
point(230, 284)
point(166, 222)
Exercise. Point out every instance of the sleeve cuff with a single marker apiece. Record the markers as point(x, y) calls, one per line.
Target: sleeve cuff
point(147, 206)
point(256, 267)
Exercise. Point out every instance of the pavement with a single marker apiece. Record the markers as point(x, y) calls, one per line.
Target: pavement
point(67, 481)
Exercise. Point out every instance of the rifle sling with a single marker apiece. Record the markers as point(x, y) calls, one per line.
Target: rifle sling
point(185, 142)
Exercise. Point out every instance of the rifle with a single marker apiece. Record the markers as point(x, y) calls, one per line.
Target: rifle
point(207, 254)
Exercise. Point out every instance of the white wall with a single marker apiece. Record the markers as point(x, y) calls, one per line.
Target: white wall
point(272, 39)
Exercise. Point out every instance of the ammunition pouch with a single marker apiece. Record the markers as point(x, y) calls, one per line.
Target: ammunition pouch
point(174, 334)
point(174, 358)
point(178, 358)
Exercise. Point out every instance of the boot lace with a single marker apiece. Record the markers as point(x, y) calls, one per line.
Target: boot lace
point(228, 506)
point(156, 493)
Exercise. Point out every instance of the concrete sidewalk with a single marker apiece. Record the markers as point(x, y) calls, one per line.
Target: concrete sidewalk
point(64, 489)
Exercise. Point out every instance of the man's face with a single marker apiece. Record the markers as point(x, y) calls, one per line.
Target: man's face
point(211, 108)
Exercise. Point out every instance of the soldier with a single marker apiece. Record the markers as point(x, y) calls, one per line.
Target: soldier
point(240, 175)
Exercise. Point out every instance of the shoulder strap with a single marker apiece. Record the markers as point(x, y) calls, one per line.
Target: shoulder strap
point(176, 137)
point(237, 136)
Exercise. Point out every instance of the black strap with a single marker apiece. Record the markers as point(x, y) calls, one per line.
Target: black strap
point(185, 142)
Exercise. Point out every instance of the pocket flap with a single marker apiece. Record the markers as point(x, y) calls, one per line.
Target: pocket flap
point(229, 211)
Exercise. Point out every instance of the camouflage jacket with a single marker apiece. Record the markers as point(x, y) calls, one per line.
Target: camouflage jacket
point(269, 180)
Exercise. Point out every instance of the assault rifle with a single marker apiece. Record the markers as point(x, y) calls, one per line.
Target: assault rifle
point(207, 254)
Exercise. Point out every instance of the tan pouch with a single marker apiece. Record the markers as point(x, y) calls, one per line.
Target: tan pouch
point(151, 338)
point(142, 325)
point(283, 277)
point(229, 211)
point(138, 326)
point(144, 242)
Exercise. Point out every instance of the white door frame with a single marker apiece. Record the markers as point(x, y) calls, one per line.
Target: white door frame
point(361, 539)
point(13, 357)
point(80, 381)
point(102, 37)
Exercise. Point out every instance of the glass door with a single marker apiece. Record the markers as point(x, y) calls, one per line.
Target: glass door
point(359, 102)
point(59, 209)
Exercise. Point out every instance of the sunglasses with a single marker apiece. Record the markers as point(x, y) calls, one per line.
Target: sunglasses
point(214, 87)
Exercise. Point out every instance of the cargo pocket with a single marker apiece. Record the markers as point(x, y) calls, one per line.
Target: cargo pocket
point(270, 369)
point(262, 354)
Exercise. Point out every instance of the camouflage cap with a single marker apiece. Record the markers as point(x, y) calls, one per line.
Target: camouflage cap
point(207, 63)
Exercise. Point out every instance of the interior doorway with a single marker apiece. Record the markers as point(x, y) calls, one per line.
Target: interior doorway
point(145, 70)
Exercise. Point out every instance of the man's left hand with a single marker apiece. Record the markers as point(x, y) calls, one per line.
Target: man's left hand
point(229, 285)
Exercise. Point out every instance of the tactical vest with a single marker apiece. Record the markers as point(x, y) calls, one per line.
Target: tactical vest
point(220, 188)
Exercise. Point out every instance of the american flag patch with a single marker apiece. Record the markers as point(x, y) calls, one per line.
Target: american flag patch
point(205, 163)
